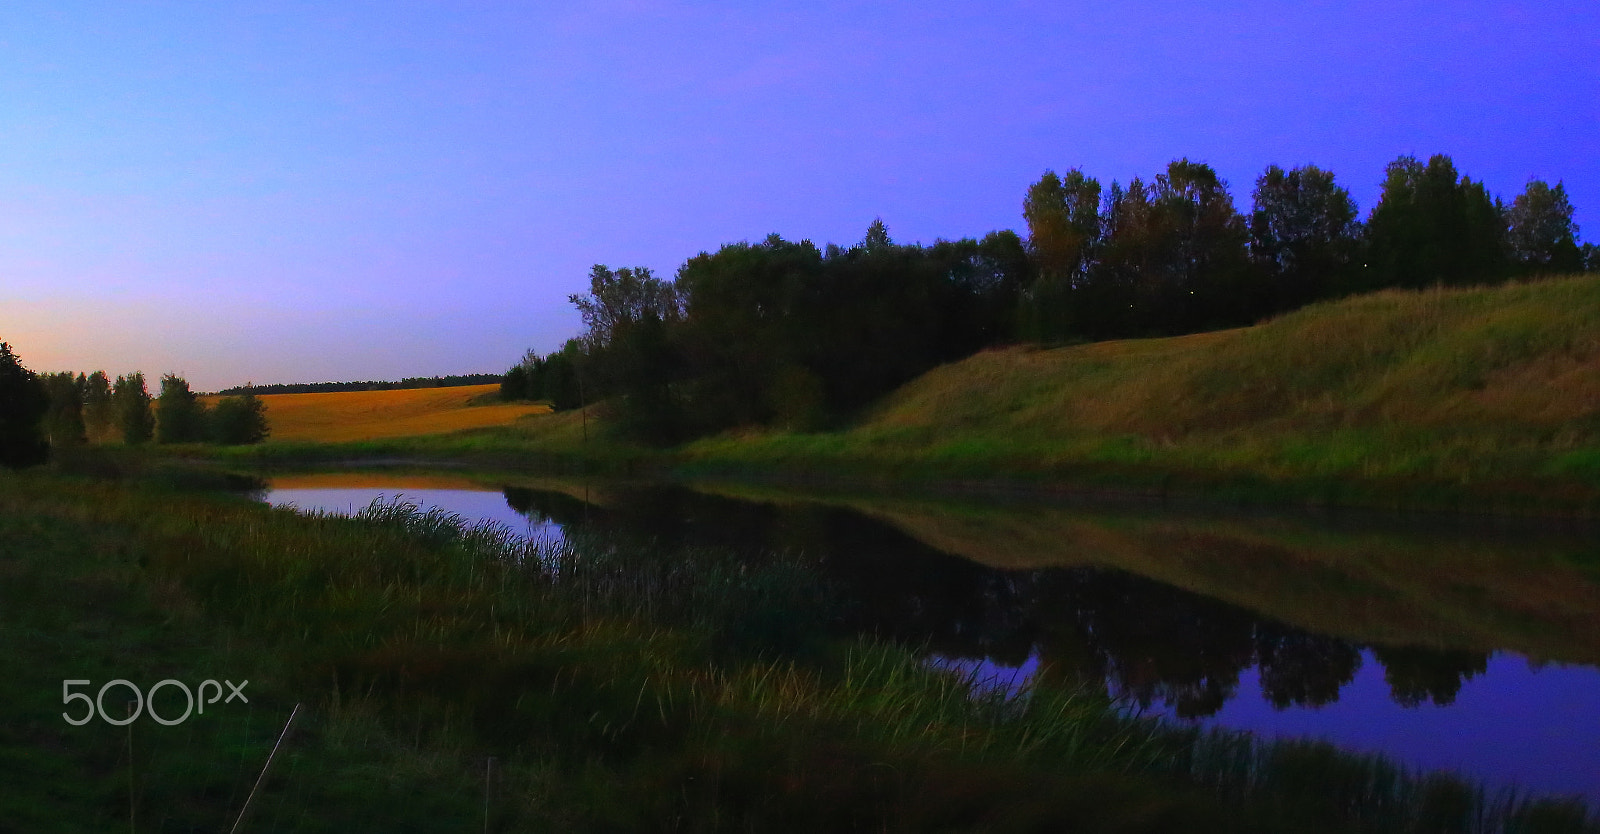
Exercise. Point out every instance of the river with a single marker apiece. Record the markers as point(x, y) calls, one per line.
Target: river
point(1443, 644)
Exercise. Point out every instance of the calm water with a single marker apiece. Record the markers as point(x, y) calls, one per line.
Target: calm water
point(1473, 650)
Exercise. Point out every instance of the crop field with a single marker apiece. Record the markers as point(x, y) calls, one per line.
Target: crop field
point(348, 416)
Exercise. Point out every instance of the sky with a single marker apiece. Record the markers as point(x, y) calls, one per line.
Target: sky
point(299, 192)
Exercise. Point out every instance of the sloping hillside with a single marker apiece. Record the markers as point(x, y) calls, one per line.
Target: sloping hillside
point(1452, 385)
point(1515, 359)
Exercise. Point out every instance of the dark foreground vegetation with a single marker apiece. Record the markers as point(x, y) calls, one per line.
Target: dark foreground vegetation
point(787, 335)
point(617, 686)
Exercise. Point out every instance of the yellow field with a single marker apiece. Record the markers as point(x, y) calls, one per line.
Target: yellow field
point(369, 415)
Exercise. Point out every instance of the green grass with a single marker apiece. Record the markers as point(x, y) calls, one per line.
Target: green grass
point(619, 687)
point(1478, 396)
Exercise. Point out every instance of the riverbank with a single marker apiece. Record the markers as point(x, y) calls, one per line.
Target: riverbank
point(615, 687)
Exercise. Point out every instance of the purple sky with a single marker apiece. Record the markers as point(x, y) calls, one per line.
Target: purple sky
point(317, 191)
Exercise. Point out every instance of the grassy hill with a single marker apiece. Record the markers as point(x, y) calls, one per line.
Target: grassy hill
point(1470, 386)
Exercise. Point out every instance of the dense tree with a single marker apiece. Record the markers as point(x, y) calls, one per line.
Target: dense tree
point(1109, 303)
point(560, 381)
point(514, 385)
point(868, 320)
point(99, 414)
point(751, 310)
point(1542, 237)
point(985, 280)
point(1304, 235)
point(64, 421)
point(1202, 280)
point(619, 298)
point(23, 404)
point(180, 416)
point(239, 420)
point(524, 380)
point(626, 315)
point(131, 402)
point(642, 369)
point(1432, 226)
point(1064, 237)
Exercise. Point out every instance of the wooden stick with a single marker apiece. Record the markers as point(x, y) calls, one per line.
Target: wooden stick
point(262, 778)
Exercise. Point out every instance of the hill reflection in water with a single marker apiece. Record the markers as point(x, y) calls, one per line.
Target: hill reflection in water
point(1469, 704)
point(1443, 649)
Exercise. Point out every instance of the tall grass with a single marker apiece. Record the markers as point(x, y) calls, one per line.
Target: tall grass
point(627, 686)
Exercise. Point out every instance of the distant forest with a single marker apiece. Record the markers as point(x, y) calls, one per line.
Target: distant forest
point(326, 387)
point(786, 334)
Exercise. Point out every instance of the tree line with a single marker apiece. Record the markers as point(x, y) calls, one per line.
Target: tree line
point(784, 333)
point(44, 412)
point(448, 381)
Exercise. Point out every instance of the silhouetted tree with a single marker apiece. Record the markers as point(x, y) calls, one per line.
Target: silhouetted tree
point(1304, 235)
point(626, 316)
point(180, 416)
point(131, 401)
point(561, 382)
point(642, 365)
point(99, 414)
point(525, 380)
point(1113, 300)
point(1064, 237)
point(514, 385)
point(1431, 226)
point(64, 421)
point(750, 311)
point(239, 420)
point(23, 404)
point(877, 237)
point(984, 284)
point(1540, 231)
point(1202, 279)
point(619, 298)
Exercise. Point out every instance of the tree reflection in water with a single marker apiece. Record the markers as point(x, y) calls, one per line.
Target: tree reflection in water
point(1133, 637)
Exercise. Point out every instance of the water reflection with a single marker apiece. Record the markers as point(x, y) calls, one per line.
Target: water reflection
point(1377, 641)
point(1142, 640)
point(1417, 676)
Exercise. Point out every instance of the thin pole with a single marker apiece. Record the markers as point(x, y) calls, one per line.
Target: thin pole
point(488, 774)
point(263, 776)
point(131, 829)
point(583, 407)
